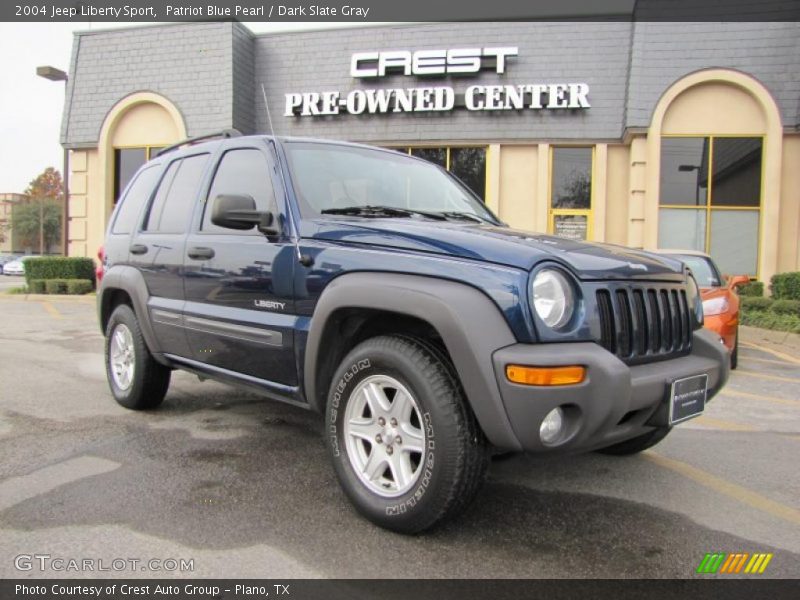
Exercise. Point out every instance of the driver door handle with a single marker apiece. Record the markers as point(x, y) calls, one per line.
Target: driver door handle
point(138, 249)
point(201, 253)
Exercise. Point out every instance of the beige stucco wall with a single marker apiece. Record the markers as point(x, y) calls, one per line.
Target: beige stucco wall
point(86, 184)
point(789, 230)
point(141, 119)
point(517, 192)
point(714, 108)
point(617, 194)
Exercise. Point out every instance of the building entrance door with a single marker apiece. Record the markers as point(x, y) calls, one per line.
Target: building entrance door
point(570, 210)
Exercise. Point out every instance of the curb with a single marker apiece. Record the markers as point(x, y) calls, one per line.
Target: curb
point(788, 342)
point(86, 298)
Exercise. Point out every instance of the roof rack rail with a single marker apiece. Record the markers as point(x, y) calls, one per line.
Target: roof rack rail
point(225, 133)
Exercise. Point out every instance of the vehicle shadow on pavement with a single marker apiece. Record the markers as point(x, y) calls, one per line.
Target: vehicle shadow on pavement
point(270, 482)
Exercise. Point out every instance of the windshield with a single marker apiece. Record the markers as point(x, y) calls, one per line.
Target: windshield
point(331, 178)
point(704, 271)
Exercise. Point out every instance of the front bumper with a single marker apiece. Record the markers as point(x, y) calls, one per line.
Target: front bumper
point(614, 403)
point(724, 325)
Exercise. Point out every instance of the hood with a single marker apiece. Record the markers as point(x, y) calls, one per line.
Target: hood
point(707, 293)
point(501, 245)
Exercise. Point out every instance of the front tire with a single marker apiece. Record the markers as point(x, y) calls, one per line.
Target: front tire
point(637, 444)
point(136, 380)
point(405, 445)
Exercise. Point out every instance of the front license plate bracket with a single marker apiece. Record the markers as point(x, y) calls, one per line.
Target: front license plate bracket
point(687, 398)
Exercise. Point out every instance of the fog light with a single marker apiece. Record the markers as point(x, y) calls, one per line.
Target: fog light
point(552, 426)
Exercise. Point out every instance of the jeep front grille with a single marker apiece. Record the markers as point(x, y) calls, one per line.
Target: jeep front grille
point(642, 324)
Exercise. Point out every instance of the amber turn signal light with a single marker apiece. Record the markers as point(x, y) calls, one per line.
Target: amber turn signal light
point(545, 375)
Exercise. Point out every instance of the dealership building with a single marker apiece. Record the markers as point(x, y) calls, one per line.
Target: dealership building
point(646, 134)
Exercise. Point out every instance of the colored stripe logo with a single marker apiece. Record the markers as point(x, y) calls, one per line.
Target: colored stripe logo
point(736, 562)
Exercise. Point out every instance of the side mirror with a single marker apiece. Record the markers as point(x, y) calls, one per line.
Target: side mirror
point(737, 280)
point(234, 211)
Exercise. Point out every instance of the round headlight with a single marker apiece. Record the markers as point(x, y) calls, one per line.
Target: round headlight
point(693, 291)
point(553, 298)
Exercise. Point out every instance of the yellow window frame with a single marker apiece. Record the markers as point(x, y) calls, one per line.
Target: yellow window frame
point(148, 155)
point(148, 149)
point(708, 207)
point(552, 213)
point(447, 148)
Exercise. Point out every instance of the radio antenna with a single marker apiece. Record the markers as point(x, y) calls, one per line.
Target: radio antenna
point(304, 260)
point(269, 116)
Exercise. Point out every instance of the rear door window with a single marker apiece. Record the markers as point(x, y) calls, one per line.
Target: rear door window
point(136, 197)
point(176, 195)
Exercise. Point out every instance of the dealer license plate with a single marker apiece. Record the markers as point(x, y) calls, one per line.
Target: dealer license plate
point(687, 398)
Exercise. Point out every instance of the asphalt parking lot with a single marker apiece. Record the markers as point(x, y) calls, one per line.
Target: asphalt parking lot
point(243, 487)
point(10, 281)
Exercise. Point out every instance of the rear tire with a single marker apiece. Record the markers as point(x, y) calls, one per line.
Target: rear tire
point(136, 380)
point(405, 445)
point(637, 444)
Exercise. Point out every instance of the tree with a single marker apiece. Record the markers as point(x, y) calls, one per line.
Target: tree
point(48, 184)
point(37, 221)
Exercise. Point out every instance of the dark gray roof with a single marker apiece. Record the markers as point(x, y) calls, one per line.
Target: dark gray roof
point(213, 73)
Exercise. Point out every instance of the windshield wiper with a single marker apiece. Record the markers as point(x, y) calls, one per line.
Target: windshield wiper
point(453, 214)
point(381, 211)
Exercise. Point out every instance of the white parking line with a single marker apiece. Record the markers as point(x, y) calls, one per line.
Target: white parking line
point(18, 489)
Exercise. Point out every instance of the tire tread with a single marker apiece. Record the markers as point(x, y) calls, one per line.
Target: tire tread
point(149, 392)
point(472, 457)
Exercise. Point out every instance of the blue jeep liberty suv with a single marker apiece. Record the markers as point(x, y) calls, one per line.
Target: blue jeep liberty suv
point(376, 289)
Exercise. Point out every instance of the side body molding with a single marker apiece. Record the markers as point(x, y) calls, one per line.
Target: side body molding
point(130, 281)
point(470, 324)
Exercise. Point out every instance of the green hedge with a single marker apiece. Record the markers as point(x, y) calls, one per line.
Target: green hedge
point(786, 286)
point(60, 286)
point(771, 320)
point(36, 286)
point(55, 286)
point(750, 303)
point(781, 314)
point(786, 307)
point(754, 289)
point(79, 286)
point(59, 267)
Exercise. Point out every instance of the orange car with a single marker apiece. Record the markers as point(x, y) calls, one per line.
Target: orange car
point(720, 300)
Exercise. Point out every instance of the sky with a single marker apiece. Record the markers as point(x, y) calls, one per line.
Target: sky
point(30, 106)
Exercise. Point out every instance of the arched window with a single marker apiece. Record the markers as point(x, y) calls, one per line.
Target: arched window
point(713, 156)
